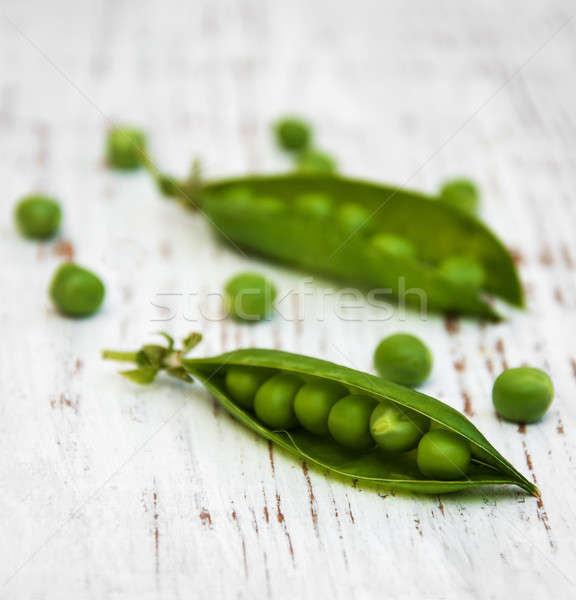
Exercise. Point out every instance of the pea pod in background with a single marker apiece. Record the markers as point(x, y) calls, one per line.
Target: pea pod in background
point(392, 470)
point(328, 225)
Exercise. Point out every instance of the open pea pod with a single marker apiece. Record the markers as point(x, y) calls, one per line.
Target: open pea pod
point(261, 214)
point(398, 471)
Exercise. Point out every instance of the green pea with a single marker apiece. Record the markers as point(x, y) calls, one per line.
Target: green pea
point(403, 358)
point(353, 217)
point(394, 244)
point(475, 451)
point(522, 394)
point(239, 195)
point(243, 382)
point(274, 401)
point(443, 455)
point(349, 422)
point(292, 134)
point(38, 217)
point(314, 402)
point(269, 205)
point(126, 148)
point(464, 271)
point(316, 161)
point(75, 291)
point(462, 194)
point(242, 198)
point(397, 429)
point(314, 205)
point(250, 297)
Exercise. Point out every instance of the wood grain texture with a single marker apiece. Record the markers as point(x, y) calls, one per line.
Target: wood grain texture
point(111, 491)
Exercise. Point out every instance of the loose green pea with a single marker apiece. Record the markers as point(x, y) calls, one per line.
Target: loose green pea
point(250, 297)
point(38, 217)
point(274, 401)
point(292, 134)
point(353, 217)
point(403, 358)
point(314, 205)
point(243, 382)
point(316, 161)
point(349, 422)
point(314, 402)
point(522, 394)
point(464, 271)
point(397, 429)
point(75, 291)
point(462, 194)
point(394, 244)
point(443, 455)
point(126, 148)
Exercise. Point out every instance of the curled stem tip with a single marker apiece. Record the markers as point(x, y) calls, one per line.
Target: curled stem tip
point(153, 358)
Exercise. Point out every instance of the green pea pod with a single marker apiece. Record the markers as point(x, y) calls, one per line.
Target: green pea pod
point(399, 471)
point(260, 214)
point(377, 467)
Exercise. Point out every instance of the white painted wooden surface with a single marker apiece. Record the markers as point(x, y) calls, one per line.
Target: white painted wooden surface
point(111, 491)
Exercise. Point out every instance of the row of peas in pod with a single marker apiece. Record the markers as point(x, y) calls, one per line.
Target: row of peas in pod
point(350, 219)
point(285, 401)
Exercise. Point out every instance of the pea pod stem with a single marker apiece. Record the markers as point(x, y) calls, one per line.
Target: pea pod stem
point(119, 356)
point(187, 191)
